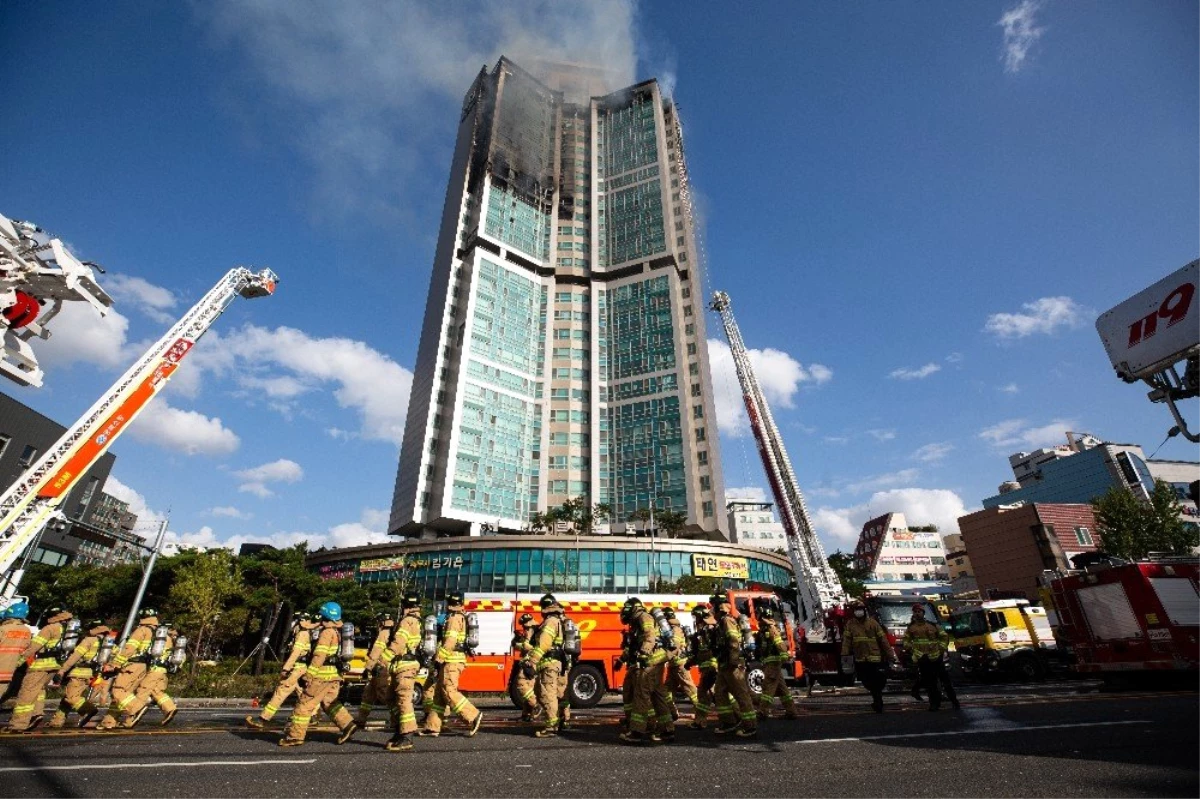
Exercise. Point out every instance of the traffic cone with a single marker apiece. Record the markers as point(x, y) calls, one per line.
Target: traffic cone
point(254, 702)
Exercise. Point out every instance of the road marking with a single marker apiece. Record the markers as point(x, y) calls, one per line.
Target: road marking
point(987, 718)
point(168, 764)
point(978, 731)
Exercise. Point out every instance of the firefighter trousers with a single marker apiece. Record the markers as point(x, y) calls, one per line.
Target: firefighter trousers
point(775, 686)
point(873, 676)
point(74, 700)
point(289, 685)
point(679, 680)
point(650, 705)
point(731, 684)
point(524, 687)
point(404, 682)
point(448, 699)
point(628, 688)
point(377, 691)
point(934, 677)
point(152, 688)
point(549, 677)
point(31, 698)
point(704, 695)
point(123, 692)
point(317, 695)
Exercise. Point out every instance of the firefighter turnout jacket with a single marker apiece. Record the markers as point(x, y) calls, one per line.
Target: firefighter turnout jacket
point(866, 640)
point(923, 639)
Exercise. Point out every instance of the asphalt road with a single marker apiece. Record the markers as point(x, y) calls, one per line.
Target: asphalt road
point(1051, 740)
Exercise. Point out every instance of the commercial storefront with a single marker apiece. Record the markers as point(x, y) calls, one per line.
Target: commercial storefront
point(597, 564)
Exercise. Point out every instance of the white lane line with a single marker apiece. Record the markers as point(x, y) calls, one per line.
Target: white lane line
point(168, 764)
point(992, 731)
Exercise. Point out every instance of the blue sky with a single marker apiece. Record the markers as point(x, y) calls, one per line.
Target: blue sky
point(919, 209)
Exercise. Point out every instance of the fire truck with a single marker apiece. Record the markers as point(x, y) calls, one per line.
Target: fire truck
point(491, 667)
point(1136, 618)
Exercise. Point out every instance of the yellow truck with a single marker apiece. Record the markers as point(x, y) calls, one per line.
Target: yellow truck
point(1004, 636)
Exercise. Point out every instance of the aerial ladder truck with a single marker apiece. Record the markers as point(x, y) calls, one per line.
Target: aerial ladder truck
point(818, 590)
point(32, 268)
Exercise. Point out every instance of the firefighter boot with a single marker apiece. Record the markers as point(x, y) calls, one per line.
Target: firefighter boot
point(400, 742)
point(634, 737)
point(256, 723)
point(170, 714)
point(347, 733)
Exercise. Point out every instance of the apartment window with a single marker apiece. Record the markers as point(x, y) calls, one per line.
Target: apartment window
point(693, 368)
point(697, 411)
point(700, 434)
point(702, 457)
point(1083, 536)
point(695, 389)
point(689, 329)
point(4, 444)
point(28, 455)
point(691, 348)
point(705, 483)
point(687, 292)
point(708, 509)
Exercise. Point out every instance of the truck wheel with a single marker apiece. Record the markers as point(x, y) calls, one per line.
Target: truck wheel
point(585, 686)
point(1026, 668)
point(755, 676)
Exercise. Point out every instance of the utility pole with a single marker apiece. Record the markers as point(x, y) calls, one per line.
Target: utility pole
point(137, 601)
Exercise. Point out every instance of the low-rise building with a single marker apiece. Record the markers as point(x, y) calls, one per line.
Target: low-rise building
point(962, 577)
point(754, 524)
point(1012, 545)
point(888, 549)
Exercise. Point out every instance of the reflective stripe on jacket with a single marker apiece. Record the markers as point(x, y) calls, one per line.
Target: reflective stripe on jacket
point(406, 641)
point(924, 639)
point(547, 642)
point(14, 639)
point(328, 644)
point(774, 648)
point(137, 645)
point(45, 643)
point(866, 640)
point(453, 635)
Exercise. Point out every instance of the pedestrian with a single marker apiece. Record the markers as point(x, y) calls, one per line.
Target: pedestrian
point(545, 661)
point(304, 629)
point(927, 644)
point(700, 655)
point(731, 681)
point(322, 683)
point(773, 654)
point(679, 675)
point(128, 666)
point(405, 650)
point(651, 719)
point(153, 686)
point(79, 669)
point(451, 660)
point(377, 671)
point(864, 640)
point(42, 655)
point(14, 638)
point(525, 687)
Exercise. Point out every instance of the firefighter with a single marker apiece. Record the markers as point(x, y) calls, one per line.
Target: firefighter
point(153, 686)
point(322, 683)
point(731, 674)
point(376, 669)
point(773, 654)
point(43, 655)
point(293, 669)
point(405, 663)
point(79, 670)
point(865, 641)
point(927, 643)
point(14, 639)
point(700, 655)
point(650, 705)
point(544, 662)
point(629, 681)
point(451, 659)
point(525, 687)
point(128, 666)
point(679, 675)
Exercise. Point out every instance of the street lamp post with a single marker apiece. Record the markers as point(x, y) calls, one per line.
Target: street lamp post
point(141, 592)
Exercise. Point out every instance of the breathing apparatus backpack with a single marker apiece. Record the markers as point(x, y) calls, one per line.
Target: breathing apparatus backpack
point(666, 636)
point(69, 640)
point(178, 654)
point(572, 644)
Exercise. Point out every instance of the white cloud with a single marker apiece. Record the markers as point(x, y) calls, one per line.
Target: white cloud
point(369, 529)
point(882, 435)
point(1016, 434)
point(1010, 388)
point(915, 374)
point(229, 512)
point(779, 377)
point(363, 94)
point(80, 335)
point(879, 481)
point(151, 300)
point(954, 357)
point(1040, 316)
point(746, 494)
point(1021, 33)
point(256, 480)
point(189, 432)
point(839, 528)
point(285, 363)
point(932, 453)
point(147, 517)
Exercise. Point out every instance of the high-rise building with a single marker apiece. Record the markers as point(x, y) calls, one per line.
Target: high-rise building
point(754, 524)
point(563, 348)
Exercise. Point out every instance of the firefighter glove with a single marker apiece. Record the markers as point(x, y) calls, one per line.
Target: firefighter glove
point(527, 669)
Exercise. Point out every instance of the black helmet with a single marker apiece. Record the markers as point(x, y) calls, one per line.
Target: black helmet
point(384, 616)
point(411, 600)
point(764, 610)
point(631, 604)
point(525, 619)
point(668, 611)
point(96, 624)
point(547, 601)
point(454, 599)
point(147, 613)
point(701, 611)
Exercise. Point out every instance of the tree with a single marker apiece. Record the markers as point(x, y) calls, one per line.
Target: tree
point(851, 576)
point(670, 521)
point(201, 595)
point(1132, 528)
point(580, 517)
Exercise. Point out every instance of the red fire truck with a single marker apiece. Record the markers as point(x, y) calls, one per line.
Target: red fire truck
point(1132, 618)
